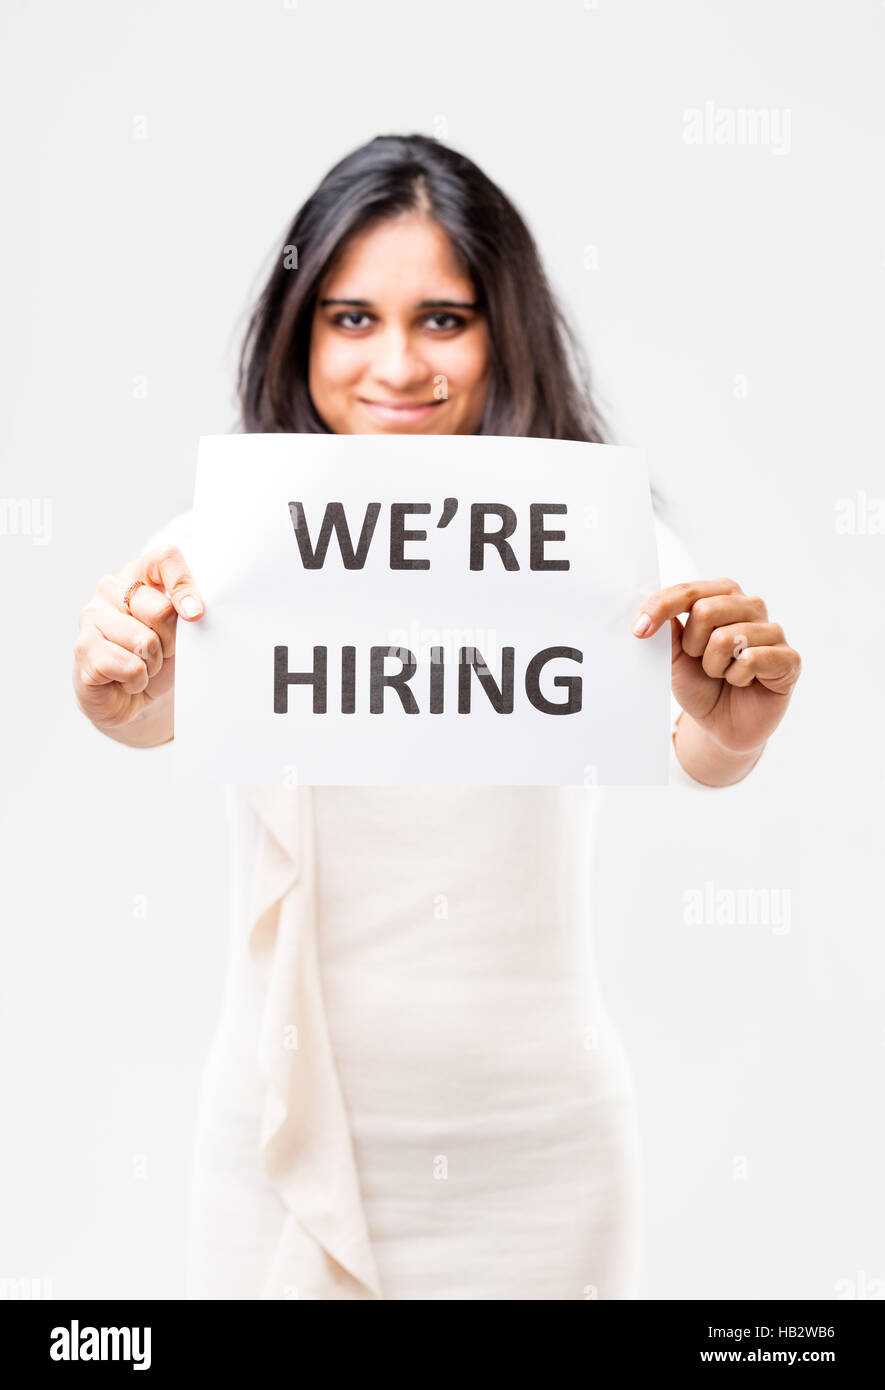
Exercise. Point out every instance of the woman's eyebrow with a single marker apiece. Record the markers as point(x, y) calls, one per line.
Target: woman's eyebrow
point(445, 304)
point(363, 303)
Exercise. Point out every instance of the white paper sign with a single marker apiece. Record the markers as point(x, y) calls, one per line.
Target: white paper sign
point(392, 610)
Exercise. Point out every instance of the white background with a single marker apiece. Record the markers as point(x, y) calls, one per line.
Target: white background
point(759, 1057)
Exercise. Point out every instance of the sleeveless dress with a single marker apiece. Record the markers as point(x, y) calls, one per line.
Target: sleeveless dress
point(414, 1089)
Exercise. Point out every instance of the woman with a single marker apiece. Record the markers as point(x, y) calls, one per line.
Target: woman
point(415, 1090)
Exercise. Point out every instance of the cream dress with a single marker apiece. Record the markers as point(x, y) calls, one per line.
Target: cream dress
point(414, 1089)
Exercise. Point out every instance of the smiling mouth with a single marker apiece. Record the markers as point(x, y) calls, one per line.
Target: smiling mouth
point(401, 410)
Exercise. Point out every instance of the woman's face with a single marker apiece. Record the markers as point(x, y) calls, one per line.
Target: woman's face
point(397, 345)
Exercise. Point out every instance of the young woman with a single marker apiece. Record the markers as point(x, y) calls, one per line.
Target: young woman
point(415, 1090)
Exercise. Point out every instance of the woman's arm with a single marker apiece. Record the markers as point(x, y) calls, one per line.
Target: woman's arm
point(705, 760)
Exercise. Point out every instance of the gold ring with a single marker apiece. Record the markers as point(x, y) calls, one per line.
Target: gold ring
point(128, 594)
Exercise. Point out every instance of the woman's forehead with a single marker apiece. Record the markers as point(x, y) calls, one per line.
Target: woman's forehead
point(408, 258)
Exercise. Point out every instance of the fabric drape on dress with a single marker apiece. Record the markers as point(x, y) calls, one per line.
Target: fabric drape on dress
point(305, 1137)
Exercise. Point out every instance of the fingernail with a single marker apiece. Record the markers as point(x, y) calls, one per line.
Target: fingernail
point(189, 606)
point(642, 625)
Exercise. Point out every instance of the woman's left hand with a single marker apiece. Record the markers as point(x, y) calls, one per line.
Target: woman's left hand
point(732, 670)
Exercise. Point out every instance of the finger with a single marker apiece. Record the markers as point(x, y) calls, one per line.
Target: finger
point(709, 613)
point(677, 632)
point(137, 637)
point(727, 643)
point(777, 668)
point(148, 606)
point(166, 568)
point(99, 662)
point(678, 598)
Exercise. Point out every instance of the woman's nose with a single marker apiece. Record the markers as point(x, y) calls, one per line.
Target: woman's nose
point(400, 362)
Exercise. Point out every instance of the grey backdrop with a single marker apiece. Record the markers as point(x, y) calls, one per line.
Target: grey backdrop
point(730, 295)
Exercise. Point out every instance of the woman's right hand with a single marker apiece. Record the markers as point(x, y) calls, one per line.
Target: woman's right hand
point(124, 663)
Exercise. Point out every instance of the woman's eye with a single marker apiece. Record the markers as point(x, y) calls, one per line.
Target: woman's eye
point(439, 322)
point(442, 322)
point(347, 317)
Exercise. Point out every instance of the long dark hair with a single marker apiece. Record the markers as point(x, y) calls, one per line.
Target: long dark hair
point(539, 383)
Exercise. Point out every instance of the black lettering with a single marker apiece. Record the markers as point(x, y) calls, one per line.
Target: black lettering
point(537, 511)
point(571, 683)
point(471, 659)
point(399, 536)
point(333, 518)
point(283, 678)
point(479, 539)
point(378, 680)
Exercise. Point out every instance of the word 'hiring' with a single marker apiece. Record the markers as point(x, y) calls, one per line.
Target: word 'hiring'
point(500, 693)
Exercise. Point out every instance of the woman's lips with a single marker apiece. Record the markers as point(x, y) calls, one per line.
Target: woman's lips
point(392, 413)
